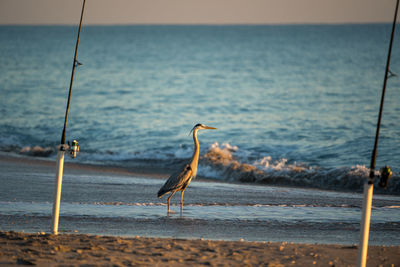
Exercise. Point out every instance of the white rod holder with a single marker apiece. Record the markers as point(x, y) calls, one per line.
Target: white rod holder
point(57, 190)
point(365, 223)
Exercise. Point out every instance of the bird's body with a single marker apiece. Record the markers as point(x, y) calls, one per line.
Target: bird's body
point(179, 180)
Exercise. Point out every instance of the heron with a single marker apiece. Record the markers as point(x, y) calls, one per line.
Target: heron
point(180, 180)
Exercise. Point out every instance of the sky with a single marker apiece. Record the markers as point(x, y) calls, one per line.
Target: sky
point(196, 11)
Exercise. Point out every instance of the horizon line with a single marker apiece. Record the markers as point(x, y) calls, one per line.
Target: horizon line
point(201, 24)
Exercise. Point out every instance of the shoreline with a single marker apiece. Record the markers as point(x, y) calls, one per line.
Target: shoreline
point(119, 202)
point(152, 172)
point(100, 169)
point(74, 167)
point(78, 249)
point(19, 248)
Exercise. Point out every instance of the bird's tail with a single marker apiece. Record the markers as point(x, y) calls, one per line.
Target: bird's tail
point(161, 192)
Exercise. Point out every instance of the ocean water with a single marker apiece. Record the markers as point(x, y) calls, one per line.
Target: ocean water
point(294, 104)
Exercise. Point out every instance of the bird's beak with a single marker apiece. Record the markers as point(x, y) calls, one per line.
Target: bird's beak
point(204, 127)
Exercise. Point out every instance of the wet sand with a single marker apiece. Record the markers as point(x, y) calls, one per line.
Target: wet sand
point(74, 167)
point(91, 250)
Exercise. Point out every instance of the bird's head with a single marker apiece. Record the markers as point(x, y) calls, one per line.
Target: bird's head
point(200, 126)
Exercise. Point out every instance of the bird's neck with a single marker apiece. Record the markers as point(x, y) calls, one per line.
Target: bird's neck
point(195, 158)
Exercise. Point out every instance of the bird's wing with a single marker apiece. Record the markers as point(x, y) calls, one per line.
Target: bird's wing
point(176, 181)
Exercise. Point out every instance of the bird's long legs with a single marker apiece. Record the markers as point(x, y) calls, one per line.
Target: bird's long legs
point(169, 199)
point(183, 191)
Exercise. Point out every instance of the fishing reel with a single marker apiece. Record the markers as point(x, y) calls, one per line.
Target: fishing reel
point(73, 149)
point(386, 173)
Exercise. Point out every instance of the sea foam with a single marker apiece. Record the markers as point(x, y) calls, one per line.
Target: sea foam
point(221, 162)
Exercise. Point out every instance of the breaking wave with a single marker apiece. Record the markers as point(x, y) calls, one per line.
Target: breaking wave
point(221, 162)
point(33, 151)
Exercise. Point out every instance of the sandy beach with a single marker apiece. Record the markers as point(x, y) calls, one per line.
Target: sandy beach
point(92, 250)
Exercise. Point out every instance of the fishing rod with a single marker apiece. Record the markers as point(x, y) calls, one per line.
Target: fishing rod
point(63, 147)
point(76, 63)
point(369, 185)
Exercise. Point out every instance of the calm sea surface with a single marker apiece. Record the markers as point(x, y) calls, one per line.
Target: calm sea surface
point(298, 103)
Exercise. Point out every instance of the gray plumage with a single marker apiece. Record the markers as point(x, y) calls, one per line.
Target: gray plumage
point(180, 180)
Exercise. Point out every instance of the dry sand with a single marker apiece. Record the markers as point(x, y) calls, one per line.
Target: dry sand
point(88, 250)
